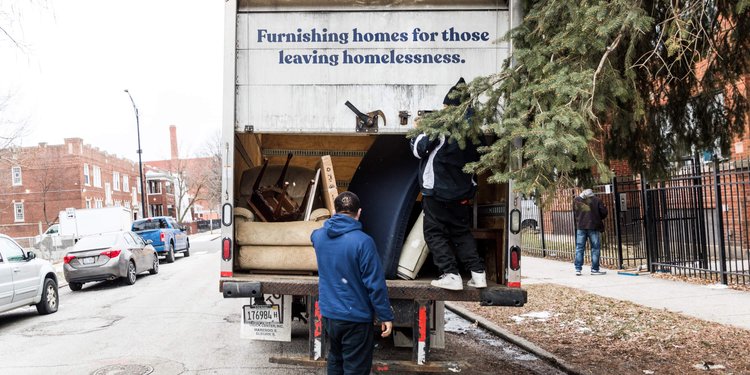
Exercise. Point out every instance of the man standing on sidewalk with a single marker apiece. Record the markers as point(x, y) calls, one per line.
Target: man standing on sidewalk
point(351, 288)
point(589, 214)
point(446, 201)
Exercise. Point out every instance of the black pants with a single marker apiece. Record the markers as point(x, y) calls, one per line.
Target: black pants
point(447, 229)
point(351, 347)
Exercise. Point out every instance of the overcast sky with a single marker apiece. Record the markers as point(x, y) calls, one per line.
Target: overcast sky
point(79, 55)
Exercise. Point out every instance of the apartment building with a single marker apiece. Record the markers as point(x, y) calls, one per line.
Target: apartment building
point(37, 182)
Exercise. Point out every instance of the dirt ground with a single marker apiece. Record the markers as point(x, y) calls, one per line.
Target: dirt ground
point(599, 335)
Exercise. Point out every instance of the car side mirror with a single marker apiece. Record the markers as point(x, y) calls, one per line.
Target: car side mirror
point(30, 255)
point(149, 242)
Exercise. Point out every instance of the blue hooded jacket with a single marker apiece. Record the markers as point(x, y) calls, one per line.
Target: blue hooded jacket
point(351, 283)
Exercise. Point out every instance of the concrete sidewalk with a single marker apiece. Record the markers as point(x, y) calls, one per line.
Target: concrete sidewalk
point(715, 303)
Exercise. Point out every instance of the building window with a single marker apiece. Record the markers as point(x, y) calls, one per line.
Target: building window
point(139, 185)
point(86, 175)
point(88, 202)
point(18, 210)
point(118, 203)
point(16, 173)
point(125, 183)
point(127, 204)
point(97, 176)
point(154, 187)
point(116, 181)
point(156, 210)
point(98, 203)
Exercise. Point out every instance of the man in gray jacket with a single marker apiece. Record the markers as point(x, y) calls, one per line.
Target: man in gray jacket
point(589, 218)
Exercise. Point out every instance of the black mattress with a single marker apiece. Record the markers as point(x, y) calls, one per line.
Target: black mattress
point(387, 186)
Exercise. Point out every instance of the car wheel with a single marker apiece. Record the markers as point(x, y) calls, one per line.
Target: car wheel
point(130, 277)
point(170, 254)
point(155, 267)
point(50, 298)
point(186, 253)
point(75, 286)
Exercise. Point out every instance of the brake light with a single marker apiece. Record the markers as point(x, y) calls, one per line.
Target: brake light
point(68, 258)
point(515, 258)
point(161, 236)
point(226, 249)
point(111, 253)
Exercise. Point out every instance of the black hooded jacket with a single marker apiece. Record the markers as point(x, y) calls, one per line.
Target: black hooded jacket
point(590, 212)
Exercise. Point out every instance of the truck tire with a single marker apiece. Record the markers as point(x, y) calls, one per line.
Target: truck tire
point(130, 277)
point(75, 286)
point(155, 265)
point(186, 253)
point(170, 253)
point(50, 297)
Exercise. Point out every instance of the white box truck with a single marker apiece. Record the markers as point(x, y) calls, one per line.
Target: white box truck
point(78, 223)
point(296, 74)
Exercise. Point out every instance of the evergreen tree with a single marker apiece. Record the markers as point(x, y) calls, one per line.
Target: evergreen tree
point(647, 81)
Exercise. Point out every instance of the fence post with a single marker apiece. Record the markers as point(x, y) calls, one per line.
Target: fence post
point(541, 227)
point(720, 221)
point(698, 188)
point(616, 217)
point(646, 212)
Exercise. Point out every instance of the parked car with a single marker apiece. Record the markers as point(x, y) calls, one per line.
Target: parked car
point(165, 234)
point(26, 280)
point(109, 256)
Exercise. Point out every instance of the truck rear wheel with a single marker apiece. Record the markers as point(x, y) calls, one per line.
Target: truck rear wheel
point(170, 253)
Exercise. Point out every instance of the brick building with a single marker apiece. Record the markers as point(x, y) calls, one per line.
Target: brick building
point(37, 182)
point(193, 179)
point(160, 192)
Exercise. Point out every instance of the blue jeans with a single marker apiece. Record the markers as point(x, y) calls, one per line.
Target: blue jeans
point(594, 237)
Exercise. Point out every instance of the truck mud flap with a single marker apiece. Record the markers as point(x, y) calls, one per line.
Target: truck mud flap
point(382, 366)
point(387, 186)
point(245, 289)
point(503, 297)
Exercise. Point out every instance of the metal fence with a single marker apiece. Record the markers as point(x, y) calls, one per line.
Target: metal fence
point(693, 224)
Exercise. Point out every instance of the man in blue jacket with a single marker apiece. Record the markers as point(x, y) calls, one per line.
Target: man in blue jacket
point(351, 288)
point(446, 201)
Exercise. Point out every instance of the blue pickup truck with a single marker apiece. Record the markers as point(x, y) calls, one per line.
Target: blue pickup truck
point(166, 236)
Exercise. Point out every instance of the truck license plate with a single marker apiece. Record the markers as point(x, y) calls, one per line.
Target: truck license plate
point(89, 260)
point(262, 313)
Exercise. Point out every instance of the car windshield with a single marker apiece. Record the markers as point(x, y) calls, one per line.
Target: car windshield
point(145, 225)
point(96, 242)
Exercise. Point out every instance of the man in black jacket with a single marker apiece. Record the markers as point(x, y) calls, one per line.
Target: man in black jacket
point(589, 215)
point(446, 201)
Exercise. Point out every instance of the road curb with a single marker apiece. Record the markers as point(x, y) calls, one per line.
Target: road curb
point(512, 338)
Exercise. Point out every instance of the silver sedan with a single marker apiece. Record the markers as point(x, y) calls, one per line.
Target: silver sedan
point(109, 256)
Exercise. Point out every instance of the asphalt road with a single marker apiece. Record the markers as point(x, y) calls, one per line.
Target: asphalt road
point(176, 322)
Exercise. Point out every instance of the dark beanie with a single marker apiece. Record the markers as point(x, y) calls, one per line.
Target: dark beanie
point(451, 98)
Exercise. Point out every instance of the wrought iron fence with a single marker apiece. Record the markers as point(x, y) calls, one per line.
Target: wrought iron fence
point(694, 223)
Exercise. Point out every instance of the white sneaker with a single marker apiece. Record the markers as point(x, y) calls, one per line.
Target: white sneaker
point(478, 280)
point(450, 281)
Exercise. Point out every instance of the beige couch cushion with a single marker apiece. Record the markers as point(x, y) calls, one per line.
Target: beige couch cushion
point(273, 258)
point(291, 233)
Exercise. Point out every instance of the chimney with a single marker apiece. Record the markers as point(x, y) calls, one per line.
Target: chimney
point(173, 141)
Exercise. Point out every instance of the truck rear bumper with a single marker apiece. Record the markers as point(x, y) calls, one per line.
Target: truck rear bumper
point(257, 285)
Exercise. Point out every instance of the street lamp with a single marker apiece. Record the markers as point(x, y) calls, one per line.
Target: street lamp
point(140, 163)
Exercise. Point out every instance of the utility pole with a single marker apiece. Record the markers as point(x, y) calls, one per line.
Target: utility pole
point(141, 183)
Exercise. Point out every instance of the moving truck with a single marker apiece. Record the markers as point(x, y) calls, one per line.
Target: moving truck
point(78, 223)
point(318, 98)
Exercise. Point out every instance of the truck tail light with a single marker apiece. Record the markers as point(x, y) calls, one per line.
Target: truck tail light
point(161, 236)
point(111, 253)
point(226, 249)
point(68, 258)
point(515, 258)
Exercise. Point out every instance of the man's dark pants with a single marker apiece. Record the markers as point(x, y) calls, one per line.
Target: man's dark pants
point(447, 226)
point(351, 347)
